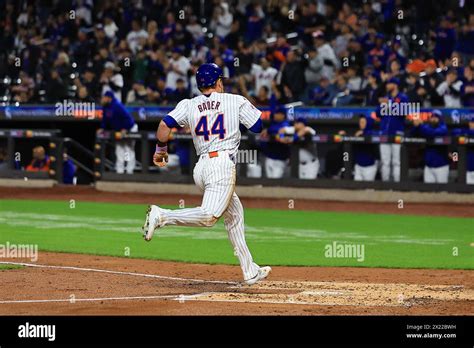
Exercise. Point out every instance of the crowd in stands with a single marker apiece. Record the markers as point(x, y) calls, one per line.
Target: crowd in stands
point(319, 52)
point(274, 52)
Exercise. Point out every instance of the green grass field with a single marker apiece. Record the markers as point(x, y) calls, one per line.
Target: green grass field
point(7, 267)
point(275, 237)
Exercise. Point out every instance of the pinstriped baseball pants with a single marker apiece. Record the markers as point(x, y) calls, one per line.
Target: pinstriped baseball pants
point(216, 178)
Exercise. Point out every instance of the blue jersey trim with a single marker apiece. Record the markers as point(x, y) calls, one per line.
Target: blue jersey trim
point(171, 122)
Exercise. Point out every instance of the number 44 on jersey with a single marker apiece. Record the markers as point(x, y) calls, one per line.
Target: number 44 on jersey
point(202, 127)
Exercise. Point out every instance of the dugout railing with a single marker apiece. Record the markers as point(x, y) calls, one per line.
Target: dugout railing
point(145, 142)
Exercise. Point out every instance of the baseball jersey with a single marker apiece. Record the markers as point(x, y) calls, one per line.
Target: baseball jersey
point(214, 120)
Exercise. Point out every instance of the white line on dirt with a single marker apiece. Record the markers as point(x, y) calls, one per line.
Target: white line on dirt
point(127, 298)
point(117, 272)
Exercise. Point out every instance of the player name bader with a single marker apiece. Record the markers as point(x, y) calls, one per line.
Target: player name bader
point(209, 105)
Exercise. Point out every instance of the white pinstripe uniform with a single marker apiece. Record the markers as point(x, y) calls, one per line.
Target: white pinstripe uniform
point(214, 122)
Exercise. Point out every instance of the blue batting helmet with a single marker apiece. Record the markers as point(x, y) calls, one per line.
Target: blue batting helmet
point(208, 74)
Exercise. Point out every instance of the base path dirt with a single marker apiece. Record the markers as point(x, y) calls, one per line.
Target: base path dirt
point(73, 284)
point(65, 284)
point(89, 193)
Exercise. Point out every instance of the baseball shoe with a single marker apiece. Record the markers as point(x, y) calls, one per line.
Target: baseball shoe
point(263, 272)
point(153, 221)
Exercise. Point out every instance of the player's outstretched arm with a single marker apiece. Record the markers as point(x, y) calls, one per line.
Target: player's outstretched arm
point(160, 158)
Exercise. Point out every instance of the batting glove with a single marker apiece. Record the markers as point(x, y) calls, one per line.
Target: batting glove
point(160, 158)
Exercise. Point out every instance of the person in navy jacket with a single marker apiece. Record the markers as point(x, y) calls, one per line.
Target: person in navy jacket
point(116, 118)
point(469, 132)
point(365, 158)
point(276, 150)
point(436, 156)
point(392, 124)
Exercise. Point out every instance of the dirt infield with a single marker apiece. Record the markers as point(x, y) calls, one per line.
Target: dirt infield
point(73, 284)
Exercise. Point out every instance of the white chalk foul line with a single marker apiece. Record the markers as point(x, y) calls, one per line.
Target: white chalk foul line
point(126, 298)
point(118, 272)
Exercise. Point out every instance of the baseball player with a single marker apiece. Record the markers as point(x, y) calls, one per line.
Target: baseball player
point(436, 156)
point(301, 135)
point(115, 117)
point(469, 131)
point(392, 125)
point(365, 168)
point(214, 119)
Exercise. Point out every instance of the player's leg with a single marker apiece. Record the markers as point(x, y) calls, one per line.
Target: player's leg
point(470, 178)
point(385, 157)
point(234, 223)
point(120, 157)
point(279, 169)
point(371, 172)
point(130, 156)
point(130, 150)
point(441, 174)
point(218, 183)
point(269, 168)
point(428, 176)
point(358, 173)
point(396, 162)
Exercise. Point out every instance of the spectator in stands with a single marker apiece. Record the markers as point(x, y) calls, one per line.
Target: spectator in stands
point(89, 81)
point(430, 81)
point(110, 27)
point(177, 68)
point(222, 20)
point(111, 80)
point(180, 93)
point(56, 89)
point(373, 91)
point(292, 77)
point(40, 162)
point(157, 93)
point(445, 38)
point(355, 83)
point(83, 95)
point(140, 66)
point(276, 150)
point(416, 92)
point(436, 156)
point(467, 89)
point(339, 93)
point(116, 118)
point(450, 90)
point(263, 75)
point(313, 69)
point(137, 37)
point(45, 37)
point(138, 94)
point(320, 93)
point(327, 55)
